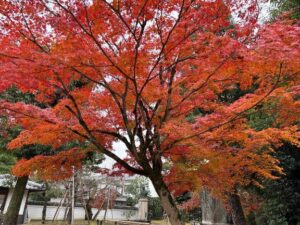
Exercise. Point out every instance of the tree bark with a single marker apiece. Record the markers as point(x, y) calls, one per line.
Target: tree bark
point(11, 216)
point(89, 212)
point(44, 211)
point(97, 213)
point(237, 213)
point(167, 201)
point(69, 215)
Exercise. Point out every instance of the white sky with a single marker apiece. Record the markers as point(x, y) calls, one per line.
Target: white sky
point(120, 150)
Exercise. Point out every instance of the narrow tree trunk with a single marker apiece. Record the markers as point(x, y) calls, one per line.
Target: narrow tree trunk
point(104, 217)
point(69, 215)
point(99, 210)
point(44, 212)
point(11, 216)
point(89, 212)
point(97, 213)
point(167, 201)
point(238, 216)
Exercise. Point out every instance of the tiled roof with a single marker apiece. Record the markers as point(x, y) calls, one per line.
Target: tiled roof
point(9, 181)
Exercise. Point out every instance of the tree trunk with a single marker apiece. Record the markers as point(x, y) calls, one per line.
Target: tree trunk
point(89, 212)
point(97, 213)
point(44, 211)
point(11, 216)
point(167, 201)
point(237, 213)
point(69, 215)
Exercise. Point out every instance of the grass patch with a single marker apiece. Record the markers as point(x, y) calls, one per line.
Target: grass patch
point(163, 222)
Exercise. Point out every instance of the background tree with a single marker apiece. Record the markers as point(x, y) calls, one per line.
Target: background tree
point(292, 7)
point(281, 197)
point(136, 189)
point(7, 160)
point(139, 188)
point(105, 199)
point(87, 187)
point(276, 206)
point(155, 209)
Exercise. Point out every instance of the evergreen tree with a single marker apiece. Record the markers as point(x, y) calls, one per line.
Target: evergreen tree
point(292, 6)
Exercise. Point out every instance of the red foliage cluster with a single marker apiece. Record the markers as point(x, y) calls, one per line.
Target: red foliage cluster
point(132, 71)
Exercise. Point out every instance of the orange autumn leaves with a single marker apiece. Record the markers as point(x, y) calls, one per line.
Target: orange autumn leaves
point(143, 67)
point(52, 168)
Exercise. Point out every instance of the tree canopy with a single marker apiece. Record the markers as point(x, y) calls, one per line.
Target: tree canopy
point(156, 76)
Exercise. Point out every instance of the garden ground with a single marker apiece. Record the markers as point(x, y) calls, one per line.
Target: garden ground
point(82, 222)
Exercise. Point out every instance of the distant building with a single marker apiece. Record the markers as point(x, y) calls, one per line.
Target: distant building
point(7, 183)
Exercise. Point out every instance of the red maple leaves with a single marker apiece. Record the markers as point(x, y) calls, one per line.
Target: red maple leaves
point(133, 71)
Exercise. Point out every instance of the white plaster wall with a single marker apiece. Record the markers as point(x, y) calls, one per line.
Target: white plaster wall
point(9, 195)
point(35, 213)
point(143, 209)
point(23, 203)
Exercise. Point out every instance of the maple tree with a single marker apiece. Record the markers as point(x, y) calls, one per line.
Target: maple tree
point(16, 161)
point(235, 163)
point(136, 71)
point(105, 199)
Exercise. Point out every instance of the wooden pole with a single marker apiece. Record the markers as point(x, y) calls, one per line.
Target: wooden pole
point(60, 205)
point(83, 202)
point(73, 197)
